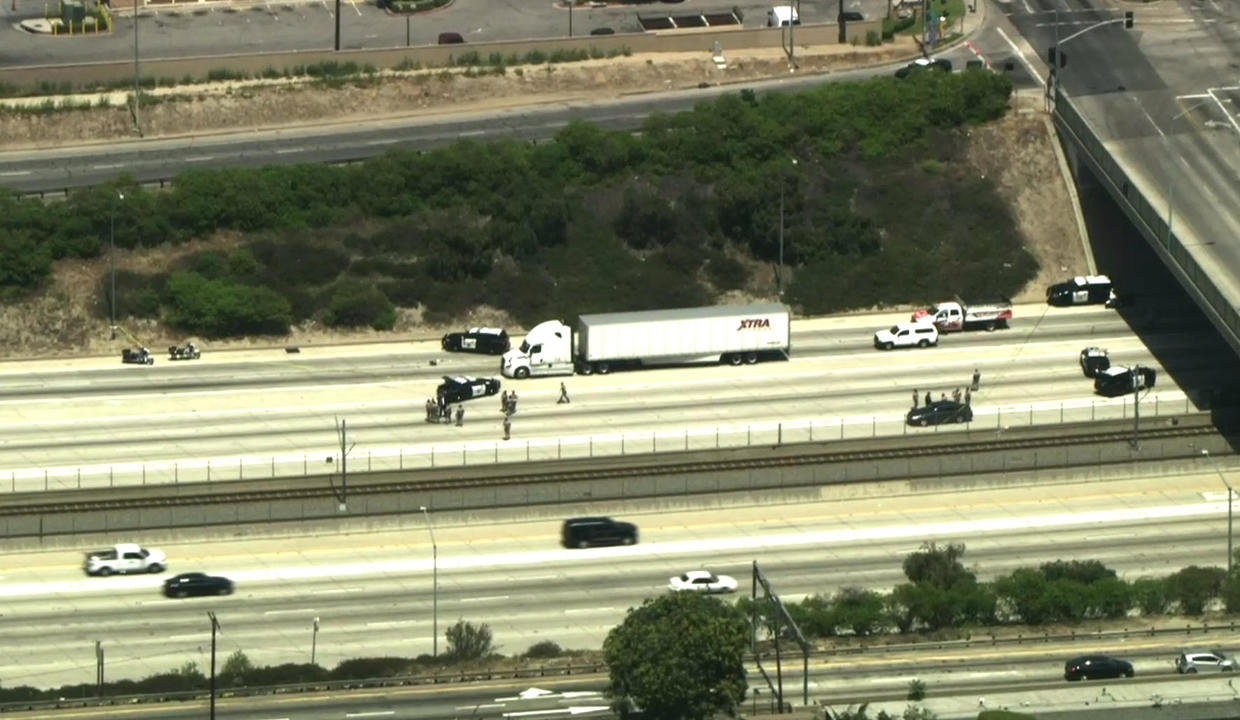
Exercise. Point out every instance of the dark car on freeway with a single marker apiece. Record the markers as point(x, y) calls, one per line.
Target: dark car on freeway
point(458, 388)
point(1094, 360)
point(940, 412)
point(489, 341)
point(584, 532)
point(1096, 667)
point(941, 64)
point(196, 583)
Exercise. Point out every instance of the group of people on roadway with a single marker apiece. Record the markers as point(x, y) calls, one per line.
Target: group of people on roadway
point(957, 395)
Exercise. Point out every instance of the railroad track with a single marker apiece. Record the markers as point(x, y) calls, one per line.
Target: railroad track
point(564, 472)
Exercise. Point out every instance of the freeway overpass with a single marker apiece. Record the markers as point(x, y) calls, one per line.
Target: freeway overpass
point(1152, 113)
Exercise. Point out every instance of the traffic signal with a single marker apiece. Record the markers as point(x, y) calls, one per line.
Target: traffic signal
point(1056, 57)
point(1128, 20)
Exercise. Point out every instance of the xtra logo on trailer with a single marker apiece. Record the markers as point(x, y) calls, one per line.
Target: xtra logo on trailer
point(754, 324)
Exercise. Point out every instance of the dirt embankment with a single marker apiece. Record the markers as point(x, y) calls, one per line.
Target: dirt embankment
point(68, 317)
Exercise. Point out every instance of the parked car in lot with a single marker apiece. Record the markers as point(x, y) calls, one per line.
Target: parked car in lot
point(489, 341)
point(1193, 661)
point(1117, 381)
point(1096, 667)
point(196, 583)
point(907, 334)
point(941, 64)
point(940, 412)
point(703, 581)
point(458, 388)
point(584, 532)
point(1094, 360)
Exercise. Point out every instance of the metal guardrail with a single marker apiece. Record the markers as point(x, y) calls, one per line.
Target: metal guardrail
point(453, 677)
point(997, 419)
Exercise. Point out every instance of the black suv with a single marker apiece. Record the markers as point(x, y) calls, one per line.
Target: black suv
point(458, 388)
point(939, 412)
point(584, 532)
point(196, 583)
point(1117, 381)
point(489, 341)
point(1095, 667)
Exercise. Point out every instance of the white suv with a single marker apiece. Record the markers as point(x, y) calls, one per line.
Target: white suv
point(919, 334)
point(1194, 661)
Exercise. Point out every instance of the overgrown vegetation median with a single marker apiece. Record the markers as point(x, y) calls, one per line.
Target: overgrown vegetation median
point(879, 207)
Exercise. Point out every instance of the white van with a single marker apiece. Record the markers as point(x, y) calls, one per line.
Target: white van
point(782, 16)
point(907, 334)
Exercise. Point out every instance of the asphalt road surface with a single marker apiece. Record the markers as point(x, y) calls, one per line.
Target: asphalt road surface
point(243, 27)
point(1164, 99)
point(242, 409)
point(373, 594)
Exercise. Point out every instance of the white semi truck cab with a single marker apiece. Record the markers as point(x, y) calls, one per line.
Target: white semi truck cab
point(546, 350)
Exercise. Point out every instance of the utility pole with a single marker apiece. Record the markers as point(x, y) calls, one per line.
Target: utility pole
point(99, 668)
point(337, 25)
point(215, 628)
point(314, 640)
point(137, 90)
point(1135, 371)
point(434, 585)
point(342, 497)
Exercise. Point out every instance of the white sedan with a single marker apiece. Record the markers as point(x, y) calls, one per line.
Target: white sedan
point(704, 582)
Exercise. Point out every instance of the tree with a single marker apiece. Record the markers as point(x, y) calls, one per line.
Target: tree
point(679, 656)
point(1194, 587)
point(235, 669)
point(467, 641)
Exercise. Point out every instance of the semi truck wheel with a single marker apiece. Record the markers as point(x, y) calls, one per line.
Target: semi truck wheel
point(751, 358)
point(522, 372)
point(604, 368)
point(734, 359)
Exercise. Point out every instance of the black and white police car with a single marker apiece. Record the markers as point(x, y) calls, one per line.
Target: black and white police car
point(489, 341)
point(458, 388)
point(1081, 290)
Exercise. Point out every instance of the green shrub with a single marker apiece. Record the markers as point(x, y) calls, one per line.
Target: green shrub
point(543, 650)
point(467, 641)
point(873, 38)
point(219, 308)
point(1151, 595)
point(375, 667)
point(916, 690)
point(1195, 587)
point(358, 304)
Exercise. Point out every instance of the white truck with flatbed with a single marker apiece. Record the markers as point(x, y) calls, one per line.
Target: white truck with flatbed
point(954, 315)
point(124, 559)
point(733, 334)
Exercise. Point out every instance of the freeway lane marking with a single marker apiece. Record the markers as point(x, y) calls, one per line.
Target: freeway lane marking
point(485, 706)
point(1116, 343)
point(917, 531)
point(14, 173)
point(289, 612)
point(376, 713)
point(485, 599)
point(833, 423)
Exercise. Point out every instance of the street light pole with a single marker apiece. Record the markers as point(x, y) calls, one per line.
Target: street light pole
point(137, 92)
point(1230, 497)
point(314, 641)
point(112, 264)
point(434, 585)
point(215, 628)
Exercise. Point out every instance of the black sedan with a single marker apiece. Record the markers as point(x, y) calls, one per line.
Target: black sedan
point(941, 64)
point(187, 584)
point(939, 412)
point(1096, 667)
point(458, 388)
point(488, 341)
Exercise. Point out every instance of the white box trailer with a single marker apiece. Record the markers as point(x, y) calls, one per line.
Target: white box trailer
point(604, 342)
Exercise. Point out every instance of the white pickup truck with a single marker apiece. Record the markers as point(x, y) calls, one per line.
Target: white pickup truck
point(125, 558)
